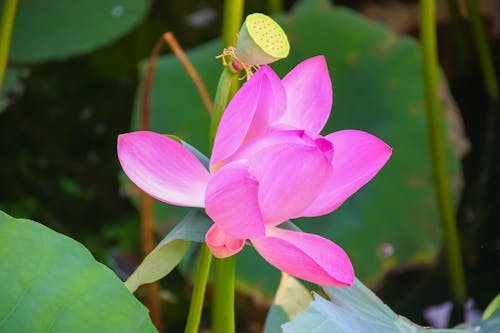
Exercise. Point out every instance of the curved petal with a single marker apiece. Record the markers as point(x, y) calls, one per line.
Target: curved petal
point(231, 201)
point(222, 245)
point(309, 95)
point(357, 159)
point(306, 256)
point(276, 136)
point(251, 111)
point(290, 175)
point(163, 168)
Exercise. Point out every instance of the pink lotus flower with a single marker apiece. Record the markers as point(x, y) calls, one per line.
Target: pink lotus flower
point(269, 164)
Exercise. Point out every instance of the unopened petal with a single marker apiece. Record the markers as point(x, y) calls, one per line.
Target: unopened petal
point(258, 103)
point(232, 202)
point(306, 256)
point(357, 159)
point(222, 245)
point(163, 168)
point(309, 95)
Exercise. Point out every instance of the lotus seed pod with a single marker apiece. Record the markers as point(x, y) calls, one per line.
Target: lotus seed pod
point(261, 41)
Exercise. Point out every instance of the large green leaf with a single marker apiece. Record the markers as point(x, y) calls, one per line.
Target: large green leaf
point(353, 309)
point(393, 220)
point(53, 29)
point(51, 283)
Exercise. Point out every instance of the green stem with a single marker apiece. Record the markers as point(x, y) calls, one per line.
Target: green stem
point(231, 25)
point(231, 21)
point(483, 49)
point(223, 301)
point(8, 15)
point(200, 283)
point(223, 307)
point(436, 136)
point(274, 6)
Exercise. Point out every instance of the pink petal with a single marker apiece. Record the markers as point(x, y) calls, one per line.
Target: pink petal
point(232, 202)
point(290, 175)
point(306, 256)
point(357, 159)
point(251, 111)
point(222, 245)
point(309, 95)
point(163, 168)
point(253, 147)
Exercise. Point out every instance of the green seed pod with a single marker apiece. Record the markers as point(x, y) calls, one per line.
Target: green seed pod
point(261, 41)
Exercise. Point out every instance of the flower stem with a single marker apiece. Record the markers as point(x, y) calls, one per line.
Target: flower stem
point(228, 81)
point(200, 283)
point(483, 49)
point(8, 15)
point(231, 21)
point(223, 306)
point(436, 136)
point(223, 301)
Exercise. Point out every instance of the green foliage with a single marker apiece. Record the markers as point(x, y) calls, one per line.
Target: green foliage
point(377, 81)
point(170, 251)
point(51, 283)
point(52, 29)
point(352, 309)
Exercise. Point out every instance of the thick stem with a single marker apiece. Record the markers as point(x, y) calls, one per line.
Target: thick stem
point(8, 15)
point(483, 49)
point(200, 283)
point(436, 136)
point(231, 21)
point(223, 307)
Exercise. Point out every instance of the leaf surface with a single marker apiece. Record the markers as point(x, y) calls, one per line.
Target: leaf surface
point(51, 283)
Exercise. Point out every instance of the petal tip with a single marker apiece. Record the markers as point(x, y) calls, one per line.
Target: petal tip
point(317, 61)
